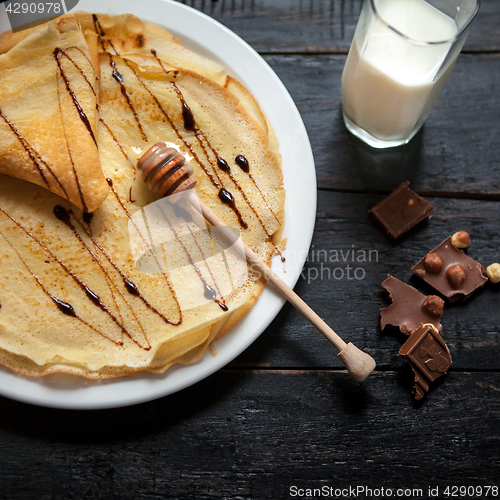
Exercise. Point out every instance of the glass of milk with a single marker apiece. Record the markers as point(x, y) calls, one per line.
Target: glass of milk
point(401, 56)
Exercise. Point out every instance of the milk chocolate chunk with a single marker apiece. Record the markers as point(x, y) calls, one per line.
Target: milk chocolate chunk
point(428, 356)
point(409, 308)
point(459, 276)
point(400, 211)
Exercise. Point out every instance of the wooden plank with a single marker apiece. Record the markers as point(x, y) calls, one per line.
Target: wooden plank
point(350, 302)
point(326, 26)
point(253, 435)
point(458, 150)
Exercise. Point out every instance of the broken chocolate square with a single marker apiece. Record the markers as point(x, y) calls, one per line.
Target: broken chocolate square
point(428, 356)
point(452, 273)
point(400, 211)
point(409, 308)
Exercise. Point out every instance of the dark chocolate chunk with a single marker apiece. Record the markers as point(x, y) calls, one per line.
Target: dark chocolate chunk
point(409, 308)
point(428, 356)
point(400, 211)
point(459, 277)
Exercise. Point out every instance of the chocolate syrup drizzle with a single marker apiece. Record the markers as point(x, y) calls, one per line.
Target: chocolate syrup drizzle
point(84, 205)
point(130, 195)
point(57, 56)
point(208, 292)
point(114, 138)
point(97, 25)
point(64, 307)
point(63, 215)
point(222, 302)
point(227, 198)
point(119, 78)
point(187, 114)
point(131, 287)
point(84, 76)
point(224, 194)
point(37, 160)
point(242, 162)
point(34, 156)
point(190, 125)
point(88, 217)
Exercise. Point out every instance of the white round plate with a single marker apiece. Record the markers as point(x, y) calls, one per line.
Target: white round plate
point(211, 39)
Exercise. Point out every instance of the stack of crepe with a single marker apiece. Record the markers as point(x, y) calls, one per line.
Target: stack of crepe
point(81, 99)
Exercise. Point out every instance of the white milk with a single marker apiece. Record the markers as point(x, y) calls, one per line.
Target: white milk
point(389, 88)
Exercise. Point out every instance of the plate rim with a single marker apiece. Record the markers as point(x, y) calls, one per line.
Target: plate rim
point(84, 394)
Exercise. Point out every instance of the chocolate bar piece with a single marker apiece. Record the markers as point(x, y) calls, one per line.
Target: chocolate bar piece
point(400, 211)
point(409, 308)
point(428, 356)
point(452, 273)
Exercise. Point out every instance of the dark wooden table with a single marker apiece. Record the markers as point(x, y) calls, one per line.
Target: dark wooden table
point(285, 414)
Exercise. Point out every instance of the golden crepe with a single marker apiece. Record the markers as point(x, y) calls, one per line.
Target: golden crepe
point(71, 296)
point(48, 115)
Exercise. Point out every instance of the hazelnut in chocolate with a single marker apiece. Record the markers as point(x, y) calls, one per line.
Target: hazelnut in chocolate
point(428, 356)
point(433, 263)
point(409, 308)
point(433, 306)
point(400, 211)
point(452, 273)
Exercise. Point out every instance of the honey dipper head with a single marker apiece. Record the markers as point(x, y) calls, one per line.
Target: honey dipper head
point(165, 170)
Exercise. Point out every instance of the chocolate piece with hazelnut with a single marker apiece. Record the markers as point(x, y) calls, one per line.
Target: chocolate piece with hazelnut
point(409, 308)
point(458, 276)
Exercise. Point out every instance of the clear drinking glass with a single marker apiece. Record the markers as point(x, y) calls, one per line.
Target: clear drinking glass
point(401, 56)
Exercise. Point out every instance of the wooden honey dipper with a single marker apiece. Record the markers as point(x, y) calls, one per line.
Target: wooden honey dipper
point(165, 172)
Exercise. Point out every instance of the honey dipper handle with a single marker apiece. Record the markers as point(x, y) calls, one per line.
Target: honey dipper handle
point(358, 363)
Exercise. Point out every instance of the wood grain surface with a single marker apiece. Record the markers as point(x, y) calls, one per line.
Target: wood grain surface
point(253, 434)
point(285, 414)
point(319, 26)
point(445, 157)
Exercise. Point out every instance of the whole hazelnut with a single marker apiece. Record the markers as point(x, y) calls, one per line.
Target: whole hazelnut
point(433, 263)
point(456, 276)
point(433, 306)
point(493, 272)
point(460, 239)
